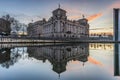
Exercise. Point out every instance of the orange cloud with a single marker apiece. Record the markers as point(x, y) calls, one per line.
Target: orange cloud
point(115, 5)
point(94, 16)
point(74, 17)
point(73, 12)
point(90, 59)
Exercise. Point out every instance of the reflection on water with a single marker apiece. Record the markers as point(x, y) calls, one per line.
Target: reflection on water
point(4, 56)
point(63, 61)
point(116, 59)
point(60, 55)
point(9, 56)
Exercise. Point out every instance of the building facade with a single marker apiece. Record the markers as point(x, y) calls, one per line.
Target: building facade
point(58, 26)
point(5, 28)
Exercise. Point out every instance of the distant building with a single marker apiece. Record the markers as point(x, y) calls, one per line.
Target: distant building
point(58, 26)
point(4, 27)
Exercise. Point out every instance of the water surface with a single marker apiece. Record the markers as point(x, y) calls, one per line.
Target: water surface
point(85, 61)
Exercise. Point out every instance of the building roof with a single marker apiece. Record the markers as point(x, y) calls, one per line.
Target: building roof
point(59, 9)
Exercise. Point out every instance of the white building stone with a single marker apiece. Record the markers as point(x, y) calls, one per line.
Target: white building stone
point(58, 26)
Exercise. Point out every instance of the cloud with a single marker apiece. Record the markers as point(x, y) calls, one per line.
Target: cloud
point(76, 13)
point(23, 18)
point(27, 19)
point(115, 5)
point(74, 17)
point(92, 60)
point(73, 12)
point(93, 17)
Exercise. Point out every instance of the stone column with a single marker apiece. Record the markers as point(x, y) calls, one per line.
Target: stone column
point(116, 25)
point(116, 59)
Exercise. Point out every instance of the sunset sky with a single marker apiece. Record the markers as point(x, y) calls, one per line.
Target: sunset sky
point(98, 12)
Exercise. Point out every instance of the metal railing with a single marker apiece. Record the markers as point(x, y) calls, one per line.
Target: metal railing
point(42, 39)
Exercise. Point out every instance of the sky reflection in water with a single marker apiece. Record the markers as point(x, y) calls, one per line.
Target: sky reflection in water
point(64, 62)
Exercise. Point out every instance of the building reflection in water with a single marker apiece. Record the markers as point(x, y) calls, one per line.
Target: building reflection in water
point(116, 59)
point(58, 56)
point(9, 56)
point(101, 46)
point(4, 56)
